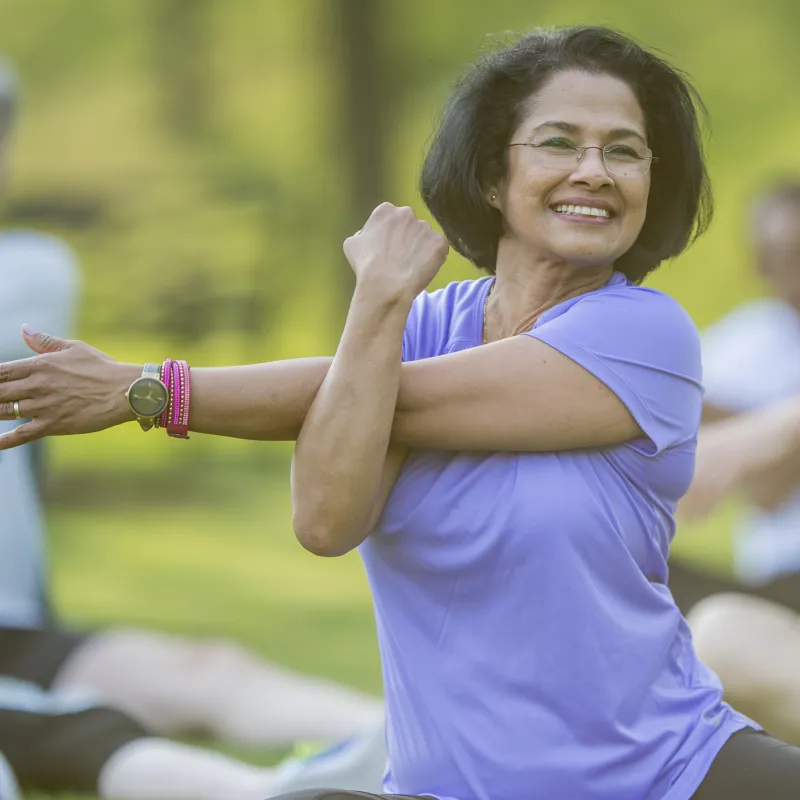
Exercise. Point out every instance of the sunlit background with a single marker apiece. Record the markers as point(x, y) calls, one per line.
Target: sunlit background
point(205, 159)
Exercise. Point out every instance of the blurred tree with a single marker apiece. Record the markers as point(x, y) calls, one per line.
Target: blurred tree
point(368, 92)
point(181, 63)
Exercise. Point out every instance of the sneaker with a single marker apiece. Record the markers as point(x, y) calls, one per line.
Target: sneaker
point(356, 764)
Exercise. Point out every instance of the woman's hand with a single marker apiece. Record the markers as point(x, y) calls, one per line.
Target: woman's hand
point(395, 254)
point(68, 388)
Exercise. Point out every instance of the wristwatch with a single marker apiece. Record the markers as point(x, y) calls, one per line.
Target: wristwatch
point(148, 396)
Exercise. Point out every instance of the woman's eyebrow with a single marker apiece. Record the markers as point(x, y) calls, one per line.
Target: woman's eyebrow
point(619, 133)
point(567, 127)
point(570, 127)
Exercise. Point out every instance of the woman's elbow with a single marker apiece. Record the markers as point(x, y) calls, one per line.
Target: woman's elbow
point(319, 538)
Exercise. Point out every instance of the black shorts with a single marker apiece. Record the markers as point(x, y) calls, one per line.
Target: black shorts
point(52, 743)
point(53, 747)
point(36, 655)
point(753, 766)
point(342, 794)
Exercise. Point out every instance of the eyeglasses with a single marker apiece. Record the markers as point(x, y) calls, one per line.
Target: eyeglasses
point(618, 159)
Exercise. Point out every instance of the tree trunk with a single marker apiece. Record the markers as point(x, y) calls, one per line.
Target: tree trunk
point(366, 94)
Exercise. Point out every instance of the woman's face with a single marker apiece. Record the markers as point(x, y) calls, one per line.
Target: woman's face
point(577, 211)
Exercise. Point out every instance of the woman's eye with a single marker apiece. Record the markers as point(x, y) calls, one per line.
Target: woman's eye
point(621, 151)
point(558, 143)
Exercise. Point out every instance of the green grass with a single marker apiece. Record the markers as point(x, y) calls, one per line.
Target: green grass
point(213, 554)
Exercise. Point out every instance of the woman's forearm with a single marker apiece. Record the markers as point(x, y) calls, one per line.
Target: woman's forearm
point(342, 447)
point(259, 401)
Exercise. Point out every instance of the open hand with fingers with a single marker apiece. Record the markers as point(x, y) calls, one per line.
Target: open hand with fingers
point(67, 388)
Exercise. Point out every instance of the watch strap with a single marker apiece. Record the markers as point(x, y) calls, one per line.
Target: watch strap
point(152, 371)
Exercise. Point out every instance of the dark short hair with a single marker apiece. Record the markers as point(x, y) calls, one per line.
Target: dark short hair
point(467, 154)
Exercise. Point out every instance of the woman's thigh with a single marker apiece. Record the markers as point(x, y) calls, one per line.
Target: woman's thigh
point(753, 765)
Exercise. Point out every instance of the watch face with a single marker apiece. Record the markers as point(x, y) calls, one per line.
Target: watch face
point(148, 397)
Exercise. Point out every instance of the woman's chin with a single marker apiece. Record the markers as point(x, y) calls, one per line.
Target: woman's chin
point(587, 257)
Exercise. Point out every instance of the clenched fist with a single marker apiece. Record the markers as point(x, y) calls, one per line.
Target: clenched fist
point(395, 253)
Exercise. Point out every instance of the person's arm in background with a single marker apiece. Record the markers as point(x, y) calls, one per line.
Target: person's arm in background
point(756, 453)
point(743, 353)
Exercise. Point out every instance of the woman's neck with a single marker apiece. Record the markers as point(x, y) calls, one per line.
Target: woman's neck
point(526, 287)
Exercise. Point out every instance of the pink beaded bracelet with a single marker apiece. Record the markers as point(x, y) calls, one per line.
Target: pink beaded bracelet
point(180, 396)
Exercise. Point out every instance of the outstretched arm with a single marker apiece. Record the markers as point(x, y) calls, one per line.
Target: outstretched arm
point(757, 453)
point(517, 394)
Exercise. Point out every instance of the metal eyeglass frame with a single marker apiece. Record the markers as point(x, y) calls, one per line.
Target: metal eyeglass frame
point(581, 149)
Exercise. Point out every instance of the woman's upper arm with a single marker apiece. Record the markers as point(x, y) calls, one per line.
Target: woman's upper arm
point(607, 370)
point(515, 395)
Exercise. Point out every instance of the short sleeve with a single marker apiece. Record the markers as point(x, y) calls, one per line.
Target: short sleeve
point(645, 348)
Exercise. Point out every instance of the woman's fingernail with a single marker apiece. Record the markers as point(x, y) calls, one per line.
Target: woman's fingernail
point(27, 329)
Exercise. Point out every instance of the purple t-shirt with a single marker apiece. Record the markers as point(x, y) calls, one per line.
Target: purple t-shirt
point(530, 646)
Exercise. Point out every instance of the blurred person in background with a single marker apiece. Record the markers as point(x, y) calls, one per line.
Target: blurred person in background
point(508, 452)
point(751, 360)
point(753, 644)
point(748, 628)
point(83, 711)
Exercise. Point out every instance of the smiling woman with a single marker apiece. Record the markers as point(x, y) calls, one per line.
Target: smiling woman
point(512, 496)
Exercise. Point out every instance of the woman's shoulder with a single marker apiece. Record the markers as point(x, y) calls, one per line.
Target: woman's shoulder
point(441, 317)
point(624, 324)
point(625, 308)
point(453, 295)
point(649, 312)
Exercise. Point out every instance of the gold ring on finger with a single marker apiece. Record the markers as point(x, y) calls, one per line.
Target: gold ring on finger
point(17, 414)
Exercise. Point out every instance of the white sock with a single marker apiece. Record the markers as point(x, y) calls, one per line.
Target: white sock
point(158, 769)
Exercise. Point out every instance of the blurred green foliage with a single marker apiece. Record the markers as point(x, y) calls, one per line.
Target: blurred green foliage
point(195, 156)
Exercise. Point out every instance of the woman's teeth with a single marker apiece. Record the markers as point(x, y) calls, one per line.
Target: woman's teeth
point(586, 211)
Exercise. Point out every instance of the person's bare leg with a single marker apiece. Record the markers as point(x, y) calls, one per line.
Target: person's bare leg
point(157, 769)
point(173, 684)
point(754, 647)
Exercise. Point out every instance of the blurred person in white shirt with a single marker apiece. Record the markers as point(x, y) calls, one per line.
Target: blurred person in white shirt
point(751, 361)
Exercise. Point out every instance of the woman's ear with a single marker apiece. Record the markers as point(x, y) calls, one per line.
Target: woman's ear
point(492, 198)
